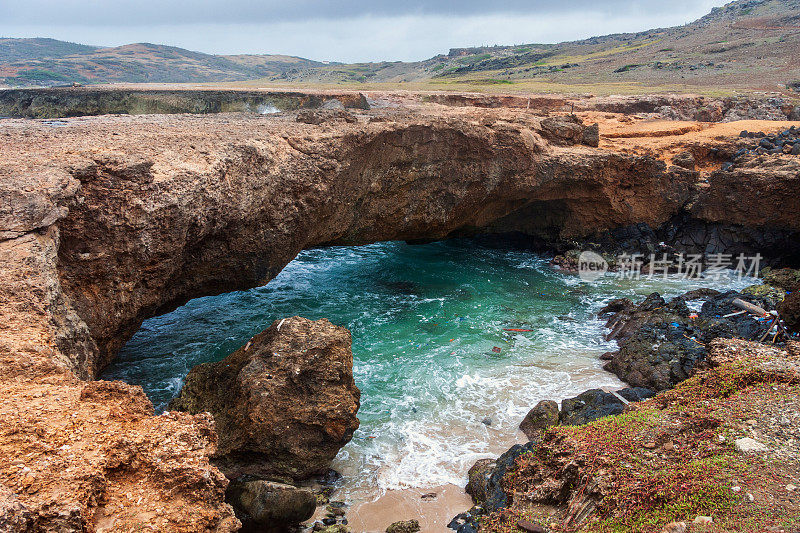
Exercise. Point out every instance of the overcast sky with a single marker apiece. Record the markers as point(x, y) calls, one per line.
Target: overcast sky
point(338, 30)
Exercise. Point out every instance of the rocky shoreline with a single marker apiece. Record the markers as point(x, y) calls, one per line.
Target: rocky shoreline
point(682, 365)
point(105, 221)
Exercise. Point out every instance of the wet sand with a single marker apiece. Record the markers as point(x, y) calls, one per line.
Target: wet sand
point(433, 513)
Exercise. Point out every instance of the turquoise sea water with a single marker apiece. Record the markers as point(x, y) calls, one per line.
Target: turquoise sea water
point(427, 322)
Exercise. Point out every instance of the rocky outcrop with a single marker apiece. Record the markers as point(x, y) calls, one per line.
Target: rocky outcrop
point(758, 179)
point(584, 408)
point(82, 457)
point(671, 107)
point(149, 227)
point(265, 506)
point(83, 101)
point(284, 404)
point(143, 222)
point(662, 343)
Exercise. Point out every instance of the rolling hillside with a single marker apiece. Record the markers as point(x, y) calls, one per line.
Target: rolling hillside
point(26, 49)
point(23, 64)
point(747, 45)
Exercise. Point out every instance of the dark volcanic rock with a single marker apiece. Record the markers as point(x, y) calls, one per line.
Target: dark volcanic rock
point(543, 415)
point(487, 489)
point(662, 343)
point(464, 522)
point(699, 294)
point(405, 526)
point(636, 394)
point(469, 527)
point(789, 310)
point(744, 326)
point(479, 476)
point(658, 355)
point(615, 306)
point(630, 317)
point(284, 404)
point(589, 406)
point(271, 506)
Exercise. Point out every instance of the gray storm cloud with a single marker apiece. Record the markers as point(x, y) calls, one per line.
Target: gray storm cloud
point(345, 30)
point(136, 12)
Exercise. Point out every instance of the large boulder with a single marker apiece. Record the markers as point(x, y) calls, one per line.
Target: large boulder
point(284, 404)
point(589, 406)
point(270, 506)
point(545, 414)
point(478, 479)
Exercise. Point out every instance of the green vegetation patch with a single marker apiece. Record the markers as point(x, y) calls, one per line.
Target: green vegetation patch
point(42, 75)
point(670, 459)
point(471, 60)
point(626, 68)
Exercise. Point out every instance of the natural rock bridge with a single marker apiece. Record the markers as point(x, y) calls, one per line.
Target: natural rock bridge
point(108, 221)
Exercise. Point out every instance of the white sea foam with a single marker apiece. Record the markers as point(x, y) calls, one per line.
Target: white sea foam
point(423, 340)
point(438, 447)
point(267, 109)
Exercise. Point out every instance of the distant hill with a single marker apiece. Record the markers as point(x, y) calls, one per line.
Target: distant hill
point(37, 48)
point(746, 45)
point(57, 63)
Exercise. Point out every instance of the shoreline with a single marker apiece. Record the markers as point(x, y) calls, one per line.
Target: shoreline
point(433, 513)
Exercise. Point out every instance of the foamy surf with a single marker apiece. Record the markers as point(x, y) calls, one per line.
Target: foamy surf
point(443, 382)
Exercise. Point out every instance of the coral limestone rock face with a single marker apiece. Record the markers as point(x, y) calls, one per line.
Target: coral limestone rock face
point(91, 457)
point(284, 404)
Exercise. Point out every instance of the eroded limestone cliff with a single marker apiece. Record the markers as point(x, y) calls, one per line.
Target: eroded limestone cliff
point(107, 221)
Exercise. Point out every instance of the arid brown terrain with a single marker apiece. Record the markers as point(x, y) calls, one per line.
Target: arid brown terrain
point(108, 220)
